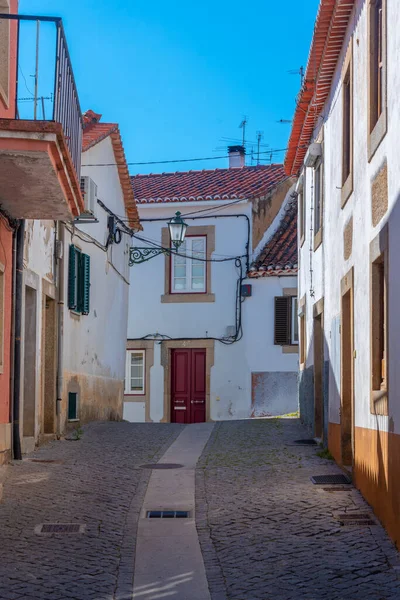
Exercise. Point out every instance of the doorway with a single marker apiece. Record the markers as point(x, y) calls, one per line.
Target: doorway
point(188, 385)
point(29, 411)
point(49, 364)
point(347, 372)
point(318, 376)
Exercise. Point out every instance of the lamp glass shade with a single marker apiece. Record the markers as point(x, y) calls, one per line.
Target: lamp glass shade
point(177, 230)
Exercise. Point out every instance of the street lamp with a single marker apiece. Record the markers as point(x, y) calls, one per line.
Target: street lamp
point(177, 231)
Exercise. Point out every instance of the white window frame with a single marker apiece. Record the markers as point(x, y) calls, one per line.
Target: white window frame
point(128, 390)
point(189, 263)
point(294, 315)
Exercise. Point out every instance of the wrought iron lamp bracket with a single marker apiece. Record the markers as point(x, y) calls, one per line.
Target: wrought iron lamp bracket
point(140, 255)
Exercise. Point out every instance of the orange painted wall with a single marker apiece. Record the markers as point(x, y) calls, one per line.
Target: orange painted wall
point(376, 475)
point(6, 260)
point(8, 112)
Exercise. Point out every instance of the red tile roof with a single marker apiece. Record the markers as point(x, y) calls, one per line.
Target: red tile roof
point(93, 133)
point(217, 184)
point(279, 255)
point(330, 29)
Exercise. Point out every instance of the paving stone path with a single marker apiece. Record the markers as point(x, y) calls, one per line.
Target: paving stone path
point(97, 482)
point(267, 532)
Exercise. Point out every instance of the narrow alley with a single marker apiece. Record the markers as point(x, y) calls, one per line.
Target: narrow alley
point(265, 530)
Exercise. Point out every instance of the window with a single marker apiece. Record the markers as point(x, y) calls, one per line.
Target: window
point(72, 406)
point(135, 372)
point(188, 273)
point(78, 281)
point(376, 61)
point(286, 328)
point(379, 323)
point(318, 193)
point(347, 142)
point(377, 74)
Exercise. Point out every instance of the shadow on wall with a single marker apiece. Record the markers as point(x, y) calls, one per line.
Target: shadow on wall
point(373, 453)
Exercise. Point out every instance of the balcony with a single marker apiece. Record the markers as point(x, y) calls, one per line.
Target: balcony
point(40, 121)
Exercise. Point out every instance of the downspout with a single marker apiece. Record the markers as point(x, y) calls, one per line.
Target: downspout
point(19, 273)
point(59, 256)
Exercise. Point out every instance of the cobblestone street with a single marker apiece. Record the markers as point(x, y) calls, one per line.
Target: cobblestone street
point(266, 532)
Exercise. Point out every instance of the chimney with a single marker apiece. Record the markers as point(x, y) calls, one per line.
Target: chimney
point(236, 157)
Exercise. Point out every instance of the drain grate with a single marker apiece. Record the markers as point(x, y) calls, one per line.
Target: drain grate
point(161, 466)
point(330, 479)
point(65, 528)
point(167, 514)
point(305, 442)
point(355, 519)
point(45, 461)
point(346, 488)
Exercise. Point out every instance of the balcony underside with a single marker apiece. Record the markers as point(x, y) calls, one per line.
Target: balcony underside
point(37, 177)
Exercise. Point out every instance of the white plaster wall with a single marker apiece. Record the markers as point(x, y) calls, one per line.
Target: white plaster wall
point(359, 205)
point(134, 412)
point(233, 364)
point(94, 344)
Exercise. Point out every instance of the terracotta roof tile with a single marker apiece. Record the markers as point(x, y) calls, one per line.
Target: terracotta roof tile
point(217, 184)
point(330, 29)
point(93, 133)
point(279, 255)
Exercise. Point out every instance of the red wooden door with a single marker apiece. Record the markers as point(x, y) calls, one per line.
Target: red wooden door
point(188, 386)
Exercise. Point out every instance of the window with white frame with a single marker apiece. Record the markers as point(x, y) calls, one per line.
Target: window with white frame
point(294, 331)
point(188, 273)
point(135, 372)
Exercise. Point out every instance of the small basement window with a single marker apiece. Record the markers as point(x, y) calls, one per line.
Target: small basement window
point(72, 406)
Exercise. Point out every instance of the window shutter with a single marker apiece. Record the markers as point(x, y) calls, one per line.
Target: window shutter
point(282, 321)
point(85, 284)
point(72, 278)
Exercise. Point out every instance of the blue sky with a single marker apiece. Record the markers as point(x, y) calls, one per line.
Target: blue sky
point(179, 76)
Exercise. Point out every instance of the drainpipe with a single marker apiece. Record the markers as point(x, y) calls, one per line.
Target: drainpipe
point(19, 273)
point(59, 255)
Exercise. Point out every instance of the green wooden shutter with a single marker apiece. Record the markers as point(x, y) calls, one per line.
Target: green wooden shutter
point(85, 284)
point(72, 278)
point(282, 320)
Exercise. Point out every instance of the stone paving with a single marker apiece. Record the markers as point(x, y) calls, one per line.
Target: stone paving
point(97, 482)
point(267, 532)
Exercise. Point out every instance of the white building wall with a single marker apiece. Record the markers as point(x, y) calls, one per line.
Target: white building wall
point(94, 344)
point(231, 375)
point(334, 266)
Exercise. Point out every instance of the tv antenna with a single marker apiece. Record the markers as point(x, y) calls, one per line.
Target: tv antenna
point(260, 135)
point(242, 125)
point(298, 72)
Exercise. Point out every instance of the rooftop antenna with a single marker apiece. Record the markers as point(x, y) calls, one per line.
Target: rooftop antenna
point(298, 72)
point(243, 126)
point(260, 135)
point(284, 121)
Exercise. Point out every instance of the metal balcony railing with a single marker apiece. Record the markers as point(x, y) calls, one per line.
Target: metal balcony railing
point(45, 88)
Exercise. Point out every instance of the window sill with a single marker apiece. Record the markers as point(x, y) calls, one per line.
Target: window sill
point(292, 349)
point(380, 403)
point(75, 315)
point(133, 398)
point(180, 298)
point(347, 190)
point(377, 134)
point(73, 420)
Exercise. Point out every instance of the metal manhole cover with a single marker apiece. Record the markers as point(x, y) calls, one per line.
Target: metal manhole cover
point(330, 479)
point(66, 528)
point(167, 514)
point(161, 466)
point(355, 519)
point(305, 442)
